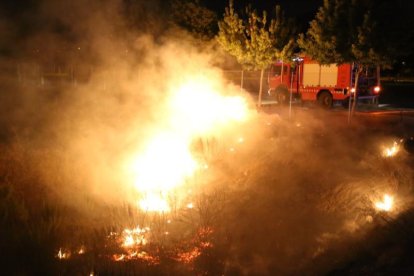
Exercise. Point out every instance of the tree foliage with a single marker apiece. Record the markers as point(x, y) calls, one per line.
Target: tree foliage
point(158, 16)
point(198, 20)
point(255, 40)
point(356, 31)
point(350, 31)
point(370, 46)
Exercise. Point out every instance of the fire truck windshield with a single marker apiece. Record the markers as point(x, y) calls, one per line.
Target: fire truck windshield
point(276, 70)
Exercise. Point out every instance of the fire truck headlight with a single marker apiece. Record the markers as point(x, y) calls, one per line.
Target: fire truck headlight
point(353, 90)
point(377, 89)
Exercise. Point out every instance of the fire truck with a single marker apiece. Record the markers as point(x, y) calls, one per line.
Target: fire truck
point(308, 80)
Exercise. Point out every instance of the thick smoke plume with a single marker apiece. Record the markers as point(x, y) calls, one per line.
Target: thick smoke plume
point(296, 185)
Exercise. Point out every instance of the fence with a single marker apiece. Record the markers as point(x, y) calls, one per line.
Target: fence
point(47, 75)
point(53, 74)
point(249, 81)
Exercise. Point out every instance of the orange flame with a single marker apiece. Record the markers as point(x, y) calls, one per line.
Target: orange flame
point(386, 204)
point(63, 254)
point(391, 151)
point(194, 110)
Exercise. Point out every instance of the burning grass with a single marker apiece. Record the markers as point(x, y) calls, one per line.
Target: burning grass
point(192, 180)
point(269, 208)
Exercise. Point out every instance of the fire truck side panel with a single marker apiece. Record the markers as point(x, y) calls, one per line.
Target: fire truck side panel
point(311, 74)
point(316, 78)
point(329, 75)
point(344, 75)
point(311, 78)
point(309, 93)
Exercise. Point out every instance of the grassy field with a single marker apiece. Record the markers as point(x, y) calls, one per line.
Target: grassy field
point(298, 198)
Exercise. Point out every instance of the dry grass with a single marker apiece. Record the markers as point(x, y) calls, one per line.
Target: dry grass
point(300, 202)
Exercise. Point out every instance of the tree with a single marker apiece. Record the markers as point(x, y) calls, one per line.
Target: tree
point(195, 18)
point(348, 31)
point(161, 16)
point(255, 41)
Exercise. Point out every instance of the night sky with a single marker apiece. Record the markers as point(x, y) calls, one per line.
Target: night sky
point(302, 10)
point(26, 12)
point(292, 7)
point(22, 18)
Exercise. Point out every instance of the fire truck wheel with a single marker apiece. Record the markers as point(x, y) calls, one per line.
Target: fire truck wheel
point(325, 99)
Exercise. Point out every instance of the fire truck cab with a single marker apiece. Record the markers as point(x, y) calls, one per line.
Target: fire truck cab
point(308, 80)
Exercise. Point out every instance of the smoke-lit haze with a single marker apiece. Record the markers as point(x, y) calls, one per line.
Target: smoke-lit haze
point(292, 186)
point(82, 134)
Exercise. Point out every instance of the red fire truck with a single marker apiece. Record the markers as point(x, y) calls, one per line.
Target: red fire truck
point(308, 80)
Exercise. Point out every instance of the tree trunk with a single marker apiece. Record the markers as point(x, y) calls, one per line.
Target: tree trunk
point(281, 73)
point(291, 94)
point(378, 83)
point(259, 102)
point(242, 80)
point(358, 71)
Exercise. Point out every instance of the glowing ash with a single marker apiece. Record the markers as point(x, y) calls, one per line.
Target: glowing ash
point(132, 241)
point(134, 237)
point(63, 254)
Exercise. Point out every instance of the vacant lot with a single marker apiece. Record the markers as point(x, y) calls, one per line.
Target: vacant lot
point(296, 197)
